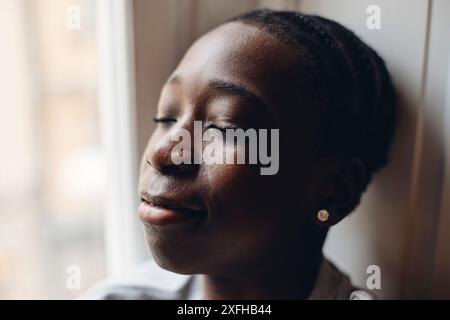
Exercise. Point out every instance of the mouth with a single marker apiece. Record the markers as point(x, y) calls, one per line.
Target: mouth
point(163, 211)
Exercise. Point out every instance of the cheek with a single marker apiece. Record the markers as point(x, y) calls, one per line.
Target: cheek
point(245, 202)
point(249, 216)
point(245, 197)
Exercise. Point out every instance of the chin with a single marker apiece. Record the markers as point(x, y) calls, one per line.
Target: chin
point(181, 260)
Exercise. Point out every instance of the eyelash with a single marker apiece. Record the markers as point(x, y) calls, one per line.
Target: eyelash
point(170, 120)
point(164, 120)
point(213, 126)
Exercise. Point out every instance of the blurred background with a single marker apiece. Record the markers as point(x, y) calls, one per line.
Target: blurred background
point(79, 84)
point(52, 177)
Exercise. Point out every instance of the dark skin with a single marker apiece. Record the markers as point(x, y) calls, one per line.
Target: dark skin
point(260, 238)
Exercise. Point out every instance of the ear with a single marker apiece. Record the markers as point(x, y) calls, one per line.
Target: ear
point(343, 190)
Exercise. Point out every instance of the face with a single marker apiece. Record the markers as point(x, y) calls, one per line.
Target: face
point(224, 218)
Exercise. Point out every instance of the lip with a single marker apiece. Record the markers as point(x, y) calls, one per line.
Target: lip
point(162, 211)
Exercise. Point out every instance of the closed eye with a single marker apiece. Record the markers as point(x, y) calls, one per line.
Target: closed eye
point(223, 129)
point(164, 120)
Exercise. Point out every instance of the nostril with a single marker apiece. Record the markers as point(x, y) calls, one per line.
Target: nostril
point(164, 168)
point(170, 168)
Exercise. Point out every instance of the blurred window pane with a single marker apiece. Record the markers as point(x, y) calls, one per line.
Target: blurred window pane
point(52, 178)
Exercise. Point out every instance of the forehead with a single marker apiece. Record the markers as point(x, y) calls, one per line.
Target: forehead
point(241, 54)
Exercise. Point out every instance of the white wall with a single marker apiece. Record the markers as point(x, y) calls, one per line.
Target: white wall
point(437, 100)
point(403, 222)
point(396, 226)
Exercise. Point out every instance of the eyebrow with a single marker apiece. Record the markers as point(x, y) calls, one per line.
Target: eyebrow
point(238, 90)
point(228, 87)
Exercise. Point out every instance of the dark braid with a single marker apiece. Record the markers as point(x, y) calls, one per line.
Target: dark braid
point(356, 99)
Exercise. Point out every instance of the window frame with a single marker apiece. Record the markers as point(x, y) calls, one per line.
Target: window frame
point(117, 106)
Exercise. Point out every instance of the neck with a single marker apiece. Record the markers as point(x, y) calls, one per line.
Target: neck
point(278, 279)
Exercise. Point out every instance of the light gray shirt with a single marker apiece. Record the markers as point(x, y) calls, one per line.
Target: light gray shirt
point(149, 282)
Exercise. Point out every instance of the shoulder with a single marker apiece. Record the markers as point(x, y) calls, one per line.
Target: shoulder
point(146, 282)
point(333, 284)
point(149, 282)
point(362, 295)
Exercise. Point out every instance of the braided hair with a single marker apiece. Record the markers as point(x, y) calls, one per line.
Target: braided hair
point(349, 80)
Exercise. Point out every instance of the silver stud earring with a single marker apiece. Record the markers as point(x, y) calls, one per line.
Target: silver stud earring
point(323, 215)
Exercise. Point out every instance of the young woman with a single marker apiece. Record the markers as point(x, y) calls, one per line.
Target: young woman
point(225, 231)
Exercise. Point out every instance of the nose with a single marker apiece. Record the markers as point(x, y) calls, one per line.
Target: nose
point(160, 156)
